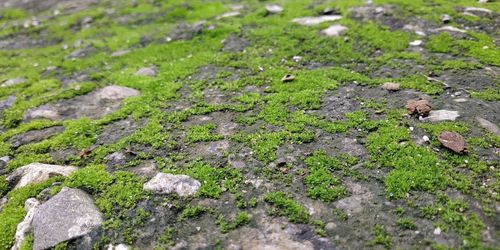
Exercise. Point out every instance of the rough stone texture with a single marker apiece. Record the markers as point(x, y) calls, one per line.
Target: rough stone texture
point(68, 215)
point(235, 43)
point(37, 172)
point(355, 203)
point(3, 164)
point(453, 141)
point(334, 30)
point(94, 105)
point(146, 71)
point(7, 102)
point(309, 21)
point(273, 8)
point(442, 115)
point(390, 86)
point(163, 183)
point(35, 136)
point(492, 127)
point(24, 227)
point(12, 82)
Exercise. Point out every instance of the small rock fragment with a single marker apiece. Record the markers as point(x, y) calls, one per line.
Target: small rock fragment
point(288, 78)
point(146, 71)
point(309, 21)
point(334, 30)
point(390, 86)
point(477, 9)
point(12, 82)
point(69, 214)
point(442, 115)
point(229, 14)
point(445, 18)
point(163, 183)
point(37, 172)
point(114, 92)
point(416, 43)
point(437, 231)
point(421, 107)
point(273, 9)
point(451, 29)
point(492, 127)
point(24, 227)
point(331, 11)
point(453, 141)
point(120, 53)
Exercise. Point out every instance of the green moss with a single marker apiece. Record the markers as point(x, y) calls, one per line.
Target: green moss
point(490, 94)
point(242, 218)
point(406, 223)
point(203, 133)
point(441, 43)
point(192, 212)
point(167, 238)
point(285, 206)
point(381, 237)
point(320, 183)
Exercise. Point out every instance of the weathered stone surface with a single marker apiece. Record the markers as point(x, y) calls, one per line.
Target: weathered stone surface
point(334, 30)
point(24, 227)
point(120, 53)
point(453, 141)
point(12, 82)
point(391, 86)
point(356, 202)
point(7, 102)
point(235, 43)
point(163, 183)
point(3, 164)
point(68, 215)
point(490, 126)
point(442, 115)
point(94, 105)
point(37, 172)
point(146, 71)
point(274, 8)
point(309, 21)
point(35, 136)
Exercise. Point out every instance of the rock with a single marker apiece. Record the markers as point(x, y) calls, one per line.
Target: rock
point(3, 164)
point(273, 9)
point(460, 100)
point(441, 115)
point(68, 215)
point(24, 228)
point(445, 18)
point(118, 247)
point(87, 20)
point(355, 203)
point(477, 9)
point(309, 21)
point(288, 78)
point(416, 43)
point(12, 82)
point(450, 28)
point(421, 106)
point(147, 169)
point(35, 136)
point(334, 30)
point(330, 226)
point(437, 231)
point(229, 14)
point(453, 141)
point(331, 11)
point(94, 105)
point(234, 43)
point(120, 53)
point(114, 92)
point(390, 86)
point(8, 102)
point(37, 172)
point(163, 183)
point(493, 128)
point(116, 158)
point(146, 72)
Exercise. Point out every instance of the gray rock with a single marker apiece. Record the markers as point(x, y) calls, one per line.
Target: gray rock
point(146, 169)
point(24, 227)
point(309, 21)
point(68, 215)
point(445, 18)
point(116, 158)
point(355, 203)
point(274, 8)
point(490, 126)
point(146, 72)
point(120, 53)
point(37, 172)
point(441, 115)
point(3, 164)
point(35, 136)
point(334, 30)
point(12, 82)
point(118, 247)
point(94, 105)
point(235, 43)
point(163, 183)
point(8, 102)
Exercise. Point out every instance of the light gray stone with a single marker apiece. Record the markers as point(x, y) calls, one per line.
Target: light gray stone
point(490, 126)
point(441, 115)
point(164, 183)
point(274, 9)
point(68, 215)
point(114, 92)
point(12, 82)
point(146, 71)
point(37, 172)
point(309, 21)
point(24, 227)
point(334, 30)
